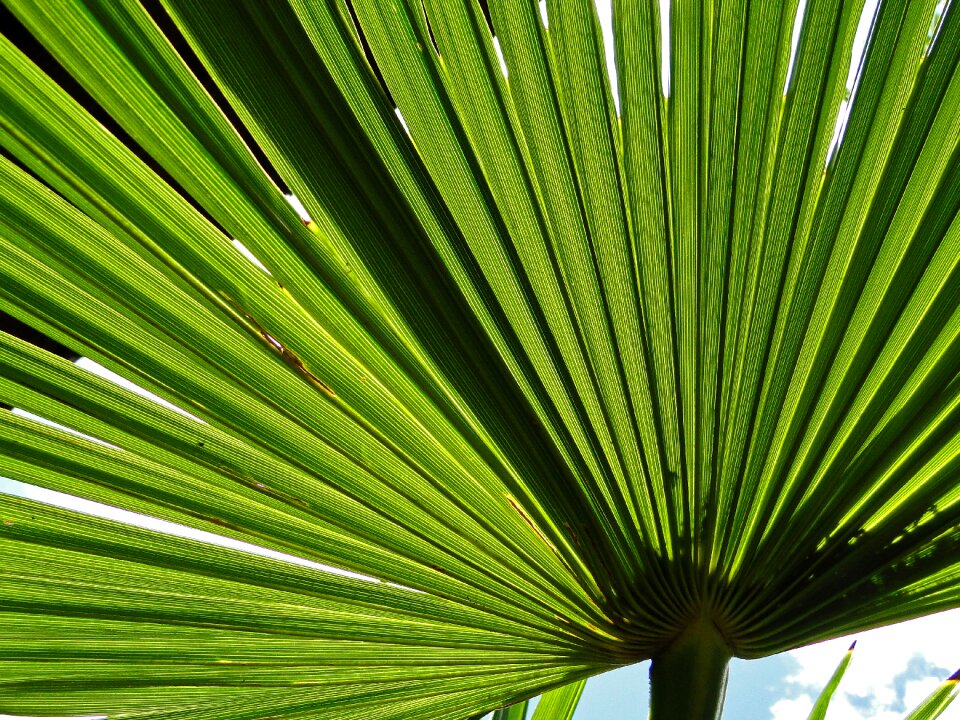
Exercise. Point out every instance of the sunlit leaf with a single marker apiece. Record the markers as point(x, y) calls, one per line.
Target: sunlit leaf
point(819, 711)
point(550, 376)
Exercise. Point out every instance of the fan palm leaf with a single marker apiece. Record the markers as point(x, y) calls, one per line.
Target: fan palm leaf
point(564, 380)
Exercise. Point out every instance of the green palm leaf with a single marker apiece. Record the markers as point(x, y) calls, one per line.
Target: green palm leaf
point(565, 380)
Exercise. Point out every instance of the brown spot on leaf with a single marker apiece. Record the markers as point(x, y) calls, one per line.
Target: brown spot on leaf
point(285, 353)
point(522, 513)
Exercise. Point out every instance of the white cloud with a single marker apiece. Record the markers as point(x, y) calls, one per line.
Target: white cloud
point(797, 708)
point(893, 670)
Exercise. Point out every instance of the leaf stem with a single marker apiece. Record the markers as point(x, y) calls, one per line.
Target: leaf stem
point(688, 678)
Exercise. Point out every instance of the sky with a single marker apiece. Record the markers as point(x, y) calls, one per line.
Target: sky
point(893, 668)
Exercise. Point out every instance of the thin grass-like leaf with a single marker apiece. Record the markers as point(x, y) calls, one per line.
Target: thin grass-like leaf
point(937, 702)
point(559, 704)
point(820, 707)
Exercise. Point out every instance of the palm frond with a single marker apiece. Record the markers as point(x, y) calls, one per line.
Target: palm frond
point(574, 378)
